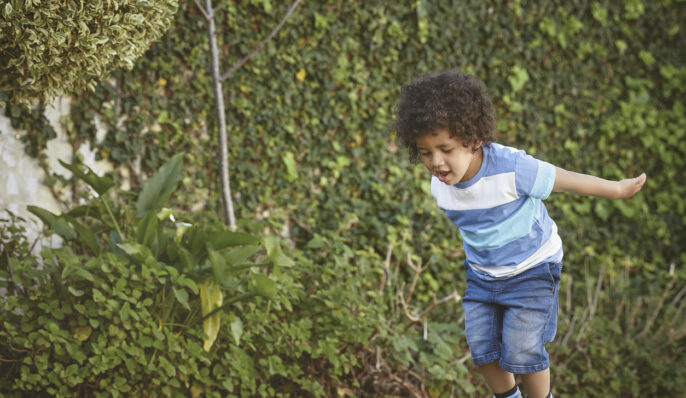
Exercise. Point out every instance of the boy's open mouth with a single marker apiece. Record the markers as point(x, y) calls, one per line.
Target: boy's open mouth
point(442, 176)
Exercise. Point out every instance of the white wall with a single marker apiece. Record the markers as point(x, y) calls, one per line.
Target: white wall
point(22, 179)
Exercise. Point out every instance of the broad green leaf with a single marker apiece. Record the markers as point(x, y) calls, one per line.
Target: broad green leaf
point(55, 222)
point(222, 239)
point(218, 264)
point(99, 184)
point(237, 256)
point(158, 188)
point(85, 235)
point(147, 229)
point(195, 240)
point(85, 211)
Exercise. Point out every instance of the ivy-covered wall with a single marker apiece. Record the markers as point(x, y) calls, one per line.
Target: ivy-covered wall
point(592, 87)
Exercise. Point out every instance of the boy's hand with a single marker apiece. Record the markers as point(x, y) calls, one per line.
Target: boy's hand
point(629, 186)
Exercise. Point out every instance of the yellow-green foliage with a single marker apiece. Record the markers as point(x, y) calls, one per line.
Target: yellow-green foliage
point(49, 48)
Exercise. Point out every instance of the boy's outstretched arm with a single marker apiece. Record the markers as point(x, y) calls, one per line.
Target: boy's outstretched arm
point(584, 184)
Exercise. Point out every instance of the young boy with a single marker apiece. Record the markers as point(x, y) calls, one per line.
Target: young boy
point(494, 194)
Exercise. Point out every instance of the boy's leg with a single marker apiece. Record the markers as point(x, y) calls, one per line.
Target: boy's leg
point(498, 379)
point(530, 322)
point(537, 385)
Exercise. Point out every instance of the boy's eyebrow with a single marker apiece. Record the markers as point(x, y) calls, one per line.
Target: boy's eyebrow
point(442, 146)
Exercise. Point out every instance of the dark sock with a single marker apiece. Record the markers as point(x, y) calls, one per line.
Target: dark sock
point(507, 393)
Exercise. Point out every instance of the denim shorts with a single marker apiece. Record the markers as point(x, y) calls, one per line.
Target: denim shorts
point(511, 319)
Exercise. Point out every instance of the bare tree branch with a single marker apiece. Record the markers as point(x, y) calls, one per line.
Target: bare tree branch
point(262, 43)
point(227, 204)
point(202, 10)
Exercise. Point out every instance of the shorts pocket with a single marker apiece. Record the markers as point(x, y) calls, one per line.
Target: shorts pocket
point(553, 271)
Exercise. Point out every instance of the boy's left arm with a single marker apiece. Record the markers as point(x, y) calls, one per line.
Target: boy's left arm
point(584, 184)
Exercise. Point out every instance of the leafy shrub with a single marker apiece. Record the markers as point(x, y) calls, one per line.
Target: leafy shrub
point(148, 283)
point(51, 49)
point(625, 336)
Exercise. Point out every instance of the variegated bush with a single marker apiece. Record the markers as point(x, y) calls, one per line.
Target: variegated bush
point(51, 48)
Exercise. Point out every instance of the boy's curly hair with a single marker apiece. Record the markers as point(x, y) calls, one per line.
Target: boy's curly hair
point(451, 100)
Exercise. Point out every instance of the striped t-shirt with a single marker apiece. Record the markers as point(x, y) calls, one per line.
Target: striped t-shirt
point(504, 225)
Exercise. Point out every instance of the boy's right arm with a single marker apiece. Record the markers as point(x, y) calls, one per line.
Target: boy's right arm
point(584, 184)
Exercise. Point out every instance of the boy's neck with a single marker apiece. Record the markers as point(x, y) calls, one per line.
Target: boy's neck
point(474, 165)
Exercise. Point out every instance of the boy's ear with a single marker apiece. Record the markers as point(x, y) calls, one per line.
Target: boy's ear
point(476, 146)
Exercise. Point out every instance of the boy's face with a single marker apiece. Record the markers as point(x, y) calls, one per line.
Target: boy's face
point(446, 157)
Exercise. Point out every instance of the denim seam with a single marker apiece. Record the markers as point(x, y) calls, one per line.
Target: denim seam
point(553, 304)
point(519, 369)
point(486, 358)
point(494, 344)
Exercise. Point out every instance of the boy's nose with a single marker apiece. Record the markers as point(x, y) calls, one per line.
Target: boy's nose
point(437, 161)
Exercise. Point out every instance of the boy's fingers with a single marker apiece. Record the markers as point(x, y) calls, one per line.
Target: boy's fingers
point(641, 179)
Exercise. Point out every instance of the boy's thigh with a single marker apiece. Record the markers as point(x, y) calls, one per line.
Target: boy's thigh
point(483, 320)
point(483, 324)
point(530, 319)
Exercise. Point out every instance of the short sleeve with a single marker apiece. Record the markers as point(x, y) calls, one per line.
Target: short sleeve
point(533, 177)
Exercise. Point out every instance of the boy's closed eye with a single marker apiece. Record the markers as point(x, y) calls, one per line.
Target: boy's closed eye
point(444, 150)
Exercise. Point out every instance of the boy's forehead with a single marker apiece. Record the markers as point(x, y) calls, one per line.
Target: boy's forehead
point(436, 137)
